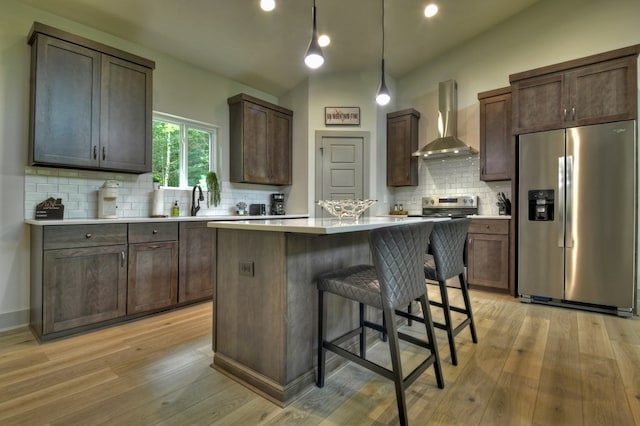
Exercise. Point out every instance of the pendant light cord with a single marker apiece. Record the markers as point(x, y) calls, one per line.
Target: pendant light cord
point(382, 28)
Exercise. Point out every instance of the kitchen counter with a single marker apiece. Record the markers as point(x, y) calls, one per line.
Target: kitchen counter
point(265, 313)
point(317, 226)
point(158, 219)
point(480, 216)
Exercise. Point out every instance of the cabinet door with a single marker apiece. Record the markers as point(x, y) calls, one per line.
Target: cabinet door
point(603, 92)
point(538, 103)
point(495, 138)
point(255, 143)
point(402, 141)
point(488, 260)
point(197, 261)
point(125, 131)
point(153, 276)
point(65, 103)
point(83, 286)
point(279, 148)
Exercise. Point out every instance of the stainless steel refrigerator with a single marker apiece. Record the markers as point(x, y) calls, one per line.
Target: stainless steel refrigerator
point(577, 217)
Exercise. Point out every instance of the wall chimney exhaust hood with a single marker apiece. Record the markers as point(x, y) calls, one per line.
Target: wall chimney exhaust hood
point(448, 144)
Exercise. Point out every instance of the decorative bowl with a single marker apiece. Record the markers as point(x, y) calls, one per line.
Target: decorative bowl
point(351, 209)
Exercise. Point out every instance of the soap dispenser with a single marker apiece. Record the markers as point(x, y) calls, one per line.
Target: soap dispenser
point(175, 210)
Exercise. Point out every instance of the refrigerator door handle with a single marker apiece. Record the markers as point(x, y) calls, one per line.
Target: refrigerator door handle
point(569, 203)
point(561, 204)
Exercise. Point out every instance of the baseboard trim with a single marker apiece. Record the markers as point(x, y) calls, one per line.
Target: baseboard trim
point(15, 319)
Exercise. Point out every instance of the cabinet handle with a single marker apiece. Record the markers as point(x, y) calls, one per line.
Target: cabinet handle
point(154, 247)
point(95, 152)
point(487, 226)
point(104, 152)
point(155, 231)
point(564, 114)
point(122, 256)
point(87, 235)
point(573, 113)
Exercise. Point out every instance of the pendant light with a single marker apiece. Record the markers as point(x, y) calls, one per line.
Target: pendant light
point(383, 97)
point(314, 58)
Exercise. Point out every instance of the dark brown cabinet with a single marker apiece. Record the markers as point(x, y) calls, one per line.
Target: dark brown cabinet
point(197, 277)
point(488, 253)
point(78, 276)
point(496, 140)
point(260, 135)
point(402, 141)
point(153, 267)
point(90, 104)
point(85, 276)
point(596, 89)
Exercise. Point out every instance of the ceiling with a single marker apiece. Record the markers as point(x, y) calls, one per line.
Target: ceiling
point(264, 50)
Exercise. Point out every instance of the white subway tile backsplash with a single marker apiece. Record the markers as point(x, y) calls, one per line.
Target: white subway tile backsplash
point(453, 176)
point(79, 192)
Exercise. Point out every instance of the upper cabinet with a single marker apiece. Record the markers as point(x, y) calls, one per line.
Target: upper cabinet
point(496, 141)
point(260, 135)
point(596, 89)
point(91, 105)
point(402, 141)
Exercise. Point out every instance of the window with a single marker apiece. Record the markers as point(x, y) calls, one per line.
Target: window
point(184, 151)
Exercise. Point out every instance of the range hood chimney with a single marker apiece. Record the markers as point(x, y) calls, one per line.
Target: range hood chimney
point(448, 144)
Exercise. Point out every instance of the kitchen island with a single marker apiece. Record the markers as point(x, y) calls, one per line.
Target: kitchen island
point(266, 304)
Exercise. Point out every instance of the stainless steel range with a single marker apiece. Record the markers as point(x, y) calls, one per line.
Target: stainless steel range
point(449, 205)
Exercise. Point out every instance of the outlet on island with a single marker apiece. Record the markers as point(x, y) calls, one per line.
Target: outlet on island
point(246, 268)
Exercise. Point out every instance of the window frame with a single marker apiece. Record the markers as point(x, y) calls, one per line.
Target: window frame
point(184, 125)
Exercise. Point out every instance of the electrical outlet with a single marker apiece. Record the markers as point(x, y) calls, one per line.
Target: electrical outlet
point(246, 268)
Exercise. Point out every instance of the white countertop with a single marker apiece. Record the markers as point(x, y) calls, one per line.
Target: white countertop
point(158, 219)
point(486, 216)
point(318, 226)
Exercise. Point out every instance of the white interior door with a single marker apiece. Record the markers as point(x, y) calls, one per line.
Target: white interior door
point(340, 168)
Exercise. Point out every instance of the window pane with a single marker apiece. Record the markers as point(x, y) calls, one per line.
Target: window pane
point(199, 147)
point(166, 153)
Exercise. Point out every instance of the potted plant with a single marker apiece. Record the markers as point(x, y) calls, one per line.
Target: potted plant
point(213, 186)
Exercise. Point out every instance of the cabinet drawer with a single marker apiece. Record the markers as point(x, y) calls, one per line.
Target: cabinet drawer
point(489, 226)
point(72, 236)
point(151, 232)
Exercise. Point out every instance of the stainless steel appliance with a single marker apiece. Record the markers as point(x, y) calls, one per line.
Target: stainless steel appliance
point(449, 205)
point(577, 217)
point(277, 204)
point(257, 209)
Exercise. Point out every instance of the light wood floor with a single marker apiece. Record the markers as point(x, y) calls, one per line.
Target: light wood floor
point(533, 365)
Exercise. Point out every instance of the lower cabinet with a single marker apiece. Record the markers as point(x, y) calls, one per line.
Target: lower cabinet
point(78, 276)
point(488, 253)
point(153, 267)
point(83, 286)
point(85, 276)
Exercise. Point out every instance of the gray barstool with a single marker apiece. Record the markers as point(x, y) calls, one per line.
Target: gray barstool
point(447, 244)
point(395, 279)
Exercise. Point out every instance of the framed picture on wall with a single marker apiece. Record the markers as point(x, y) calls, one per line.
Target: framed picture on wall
point(342, 116)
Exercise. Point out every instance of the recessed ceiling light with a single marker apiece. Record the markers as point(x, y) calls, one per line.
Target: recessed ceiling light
point(268, 5)
point(324, 40)
point(431, 10)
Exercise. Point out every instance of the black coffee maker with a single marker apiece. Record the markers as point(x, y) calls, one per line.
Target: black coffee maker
point(277, 204)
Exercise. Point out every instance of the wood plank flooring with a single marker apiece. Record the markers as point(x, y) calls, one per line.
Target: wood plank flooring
point(533, 365)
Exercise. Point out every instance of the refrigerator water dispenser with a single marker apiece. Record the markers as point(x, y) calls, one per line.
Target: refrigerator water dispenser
point(541, 203)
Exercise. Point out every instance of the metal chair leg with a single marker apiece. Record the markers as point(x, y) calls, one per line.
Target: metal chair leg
point(431, 336)
point(446, 310)
point(398, 378)
point(322, 317)
point(467, 304)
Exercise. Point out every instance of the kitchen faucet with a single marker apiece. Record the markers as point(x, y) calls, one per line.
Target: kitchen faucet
point(195, 207)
